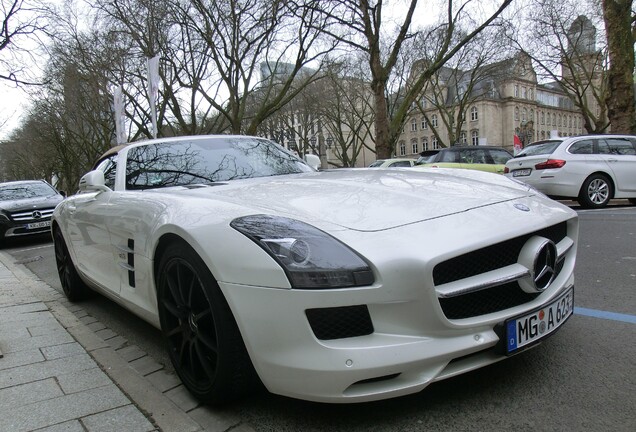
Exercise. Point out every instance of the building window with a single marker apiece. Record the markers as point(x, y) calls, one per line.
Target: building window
point(475, 137)
point(553, 119)
point(524, 93)
point(434, 120)
point(516, 114)
point(423, 103)
point(424, 124)
point(414, 146)
point(542, 117)
point(414, 125)
point(530, 94)
point(570, 120)
point(473, 114)
point(516, 91)
point(463, 138)
point(531, 115)
point(402, 148)
point(560, 121)
point(524, 115)
point(434, 142)
point(424, 144)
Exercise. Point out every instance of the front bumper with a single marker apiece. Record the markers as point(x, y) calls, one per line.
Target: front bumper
point(291, 361)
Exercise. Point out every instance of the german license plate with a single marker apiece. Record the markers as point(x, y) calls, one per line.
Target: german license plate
point(522, 172)
point(530, 328)
point(36, 225)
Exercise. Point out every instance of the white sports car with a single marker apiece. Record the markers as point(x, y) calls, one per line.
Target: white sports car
point(332, 286)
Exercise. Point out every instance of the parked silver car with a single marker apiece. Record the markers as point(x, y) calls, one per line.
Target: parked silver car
point(591, 169)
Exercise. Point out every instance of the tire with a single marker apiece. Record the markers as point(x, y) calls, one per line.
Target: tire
point(203, 339)
point(596, 191)
point(73, 287)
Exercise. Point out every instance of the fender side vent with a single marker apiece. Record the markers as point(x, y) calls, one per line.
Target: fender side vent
point(131, 263)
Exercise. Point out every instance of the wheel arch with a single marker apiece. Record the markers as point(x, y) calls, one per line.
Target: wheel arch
point(605, 174)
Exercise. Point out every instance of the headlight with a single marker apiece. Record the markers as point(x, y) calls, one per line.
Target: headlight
point(311, 258)
point(3, 217)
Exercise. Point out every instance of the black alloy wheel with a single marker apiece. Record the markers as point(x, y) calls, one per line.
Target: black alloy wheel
point(204, 342)
point(73, 286)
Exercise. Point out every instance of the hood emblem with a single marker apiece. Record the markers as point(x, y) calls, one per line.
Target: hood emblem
point(522, 207)
point(36, 215)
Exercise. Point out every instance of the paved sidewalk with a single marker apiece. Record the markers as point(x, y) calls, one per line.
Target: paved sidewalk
point(57, 373)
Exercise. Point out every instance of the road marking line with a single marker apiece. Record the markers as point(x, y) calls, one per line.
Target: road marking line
point(605, 315)
point(35, 248)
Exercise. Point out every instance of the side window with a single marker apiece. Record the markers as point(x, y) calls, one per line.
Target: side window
point(476, 156)
point(449, 156)
point(620, 146)
point(499, 156)
point(401, 164)
point(582, 147)
point(109, 167)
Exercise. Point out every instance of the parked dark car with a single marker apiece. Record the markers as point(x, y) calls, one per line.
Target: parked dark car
point(26, 207)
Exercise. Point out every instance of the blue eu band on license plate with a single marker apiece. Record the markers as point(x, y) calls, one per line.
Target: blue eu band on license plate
point(525, 330)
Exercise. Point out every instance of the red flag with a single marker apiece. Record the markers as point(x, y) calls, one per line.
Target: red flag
point(518, 145)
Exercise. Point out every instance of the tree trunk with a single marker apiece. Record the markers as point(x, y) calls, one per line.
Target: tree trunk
point(382, 139)
point(620, 98)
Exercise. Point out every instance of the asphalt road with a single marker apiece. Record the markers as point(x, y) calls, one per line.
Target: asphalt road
point(581, 379)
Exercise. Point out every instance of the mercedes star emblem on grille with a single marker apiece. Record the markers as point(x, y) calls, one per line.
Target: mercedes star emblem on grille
point(539, 256)
point(544, 266)
point(36, 215)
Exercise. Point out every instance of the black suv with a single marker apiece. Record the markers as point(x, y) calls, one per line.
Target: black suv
point(26, 208)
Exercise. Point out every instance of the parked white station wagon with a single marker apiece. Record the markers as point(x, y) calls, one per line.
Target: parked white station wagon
point(592, 169)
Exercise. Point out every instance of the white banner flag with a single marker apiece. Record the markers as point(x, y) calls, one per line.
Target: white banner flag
point(118, 107)
point(153, 90)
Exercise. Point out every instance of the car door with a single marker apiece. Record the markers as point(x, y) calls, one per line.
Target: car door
point(90, 238)
point(620, 156)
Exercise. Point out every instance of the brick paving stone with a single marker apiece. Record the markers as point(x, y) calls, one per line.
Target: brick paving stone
point(214, 421)
point(20, 358)
point(27, 343)
point(80, 313)
point(106, 334)
point(182, 398)
point(69, 426)
point(163, 380)
point(47, 329)
point(60, 351)
point(83, 380)
point(29, 393)
point(74, 308)
point(87, 319)
point(96, 326)
point(127, 418)
point(145, 365)
point(117, 342)
point(131, 353)
point(50, 368)
point(61, 409)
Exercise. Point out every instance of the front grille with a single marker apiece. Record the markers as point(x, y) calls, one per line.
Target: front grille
point(484, 302)
point(340, 322)
point(491, 257)
point(27, 216)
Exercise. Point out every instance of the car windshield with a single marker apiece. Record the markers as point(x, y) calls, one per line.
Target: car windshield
point(425, 159)
point(205, 161)
point(10, 192)
point(539, 148)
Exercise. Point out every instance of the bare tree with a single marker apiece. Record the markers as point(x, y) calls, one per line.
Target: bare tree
point(23, 23)
point(620, 26)
point(562, 44)
point(361, 24)
point(473, 74)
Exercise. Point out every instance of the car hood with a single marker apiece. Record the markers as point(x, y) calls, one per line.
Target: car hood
point(30, 203)
point(367, 199)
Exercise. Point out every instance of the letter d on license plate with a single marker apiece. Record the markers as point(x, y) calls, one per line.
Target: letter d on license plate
point(530, 328)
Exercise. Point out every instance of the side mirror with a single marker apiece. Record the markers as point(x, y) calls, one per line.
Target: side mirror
point(93, 181)
point(313, 161)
